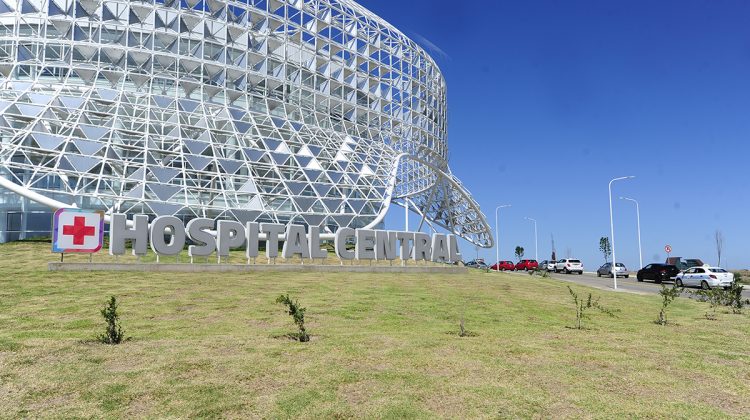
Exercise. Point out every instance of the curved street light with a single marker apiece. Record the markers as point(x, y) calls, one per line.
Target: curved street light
point(638, 214)
point(612, 227)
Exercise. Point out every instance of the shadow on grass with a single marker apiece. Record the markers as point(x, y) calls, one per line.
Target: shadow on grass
point(466, 334)
point(293, 337)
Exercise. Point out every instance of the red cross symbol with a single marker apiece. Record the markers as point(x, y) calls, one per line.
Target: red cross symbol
point(78, 230)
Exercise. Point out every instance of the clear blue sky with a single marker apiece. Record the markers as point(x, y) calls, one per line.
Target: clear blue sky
point(549, 100)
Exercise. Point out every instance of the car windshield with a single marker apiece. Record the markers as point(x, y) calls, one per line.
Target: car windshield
point(620, 265)
point(575, 261)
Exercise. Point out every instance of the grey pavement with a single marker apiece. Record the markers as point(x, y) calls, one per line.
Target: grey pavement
point(630, 285)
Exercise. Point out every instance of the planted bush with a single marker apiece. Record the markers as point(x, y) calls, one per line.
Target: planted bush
point(733, 298)
point(114, 333)
point(298, 314)
point(668, 294)
point(583, 305)
point(716, 297)
point(737, 277)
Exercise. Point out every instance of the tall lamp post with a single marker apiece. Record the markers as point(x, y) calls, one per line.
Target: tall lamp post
point(536, 239)
point(612, 226)
point(638, 213)
point(497, 233)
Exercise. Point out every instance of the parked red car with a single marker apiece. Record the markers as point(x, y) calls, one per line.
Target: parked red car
point(527, 265)
point(503, 265)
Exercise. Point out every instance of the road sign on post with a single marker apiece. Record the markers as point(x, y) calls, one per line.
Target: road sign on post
point(668, 249)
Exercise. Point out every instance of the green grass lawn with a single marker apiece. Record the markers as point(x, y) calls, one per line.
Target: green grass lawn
point(382, 346)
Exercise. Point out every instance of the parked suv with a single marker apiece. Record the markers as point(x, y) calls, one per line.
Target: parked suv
point(684, 264)
point(569, 265)
point(527, 265)
point(658, 272)
point(547, 265)
point(503, 265)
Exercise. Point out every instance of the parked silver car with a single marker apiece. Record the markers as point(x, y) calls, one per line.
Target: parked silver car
point(606, 270)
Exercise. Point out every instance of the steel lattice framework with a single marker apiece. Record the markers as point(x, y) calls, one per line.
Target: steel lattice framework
point(314, 112)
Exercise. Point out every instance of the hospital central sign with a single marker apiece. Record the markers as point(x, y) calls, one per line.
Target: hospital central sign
point(167, 236)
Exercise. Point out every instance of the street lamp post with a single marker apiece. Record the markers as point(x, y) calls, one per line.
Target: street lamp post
point(536, 239)
point(638, 213)
point(497, 233)
point(612, 227)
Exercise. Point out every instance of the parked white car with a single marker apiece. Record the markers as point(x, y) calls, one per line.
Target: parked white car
point(569, 265)
point(547, 265)
point(705, 277)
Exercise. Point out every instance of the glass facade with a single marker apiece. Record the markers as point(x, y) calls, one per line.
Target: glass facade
point(306, 112)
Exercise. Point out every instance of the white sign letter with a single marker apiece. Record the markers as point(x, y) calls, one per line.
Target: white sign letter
point(440, 250)
point(314, 243)
point(296, 243)
point(229, 234)
point(342, 237)
point(159, 230)
point(272, 232)
point(386, 245)
point(422, 249)
point(119, 232)
point(365, 247)
point(196, 231)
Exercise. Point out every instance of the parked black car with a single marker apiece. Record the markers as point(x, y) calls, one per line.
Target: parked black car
point(658, 272)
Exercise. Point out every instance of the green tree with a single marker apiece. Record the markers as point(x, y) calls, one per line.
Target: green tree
point(298, 314)
point(114, 333)
point(605, 247)
point(519, 252)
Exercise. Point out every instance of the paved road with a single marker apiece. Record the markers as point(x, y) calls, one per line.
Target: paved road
point(623, 284)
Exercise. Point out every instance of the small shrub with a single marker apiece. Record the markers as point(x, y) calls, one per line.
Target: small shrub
point(538, 272)
point(583, 305)
point(298, 314)
point(668, 294)
point(733, 298)
point(114, 333)
point(462, 331)
point(716, 297)
point(737, 277)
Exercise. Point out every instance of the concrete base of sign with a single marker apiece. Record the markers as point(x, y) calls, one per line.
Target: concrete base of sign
point(242, 268)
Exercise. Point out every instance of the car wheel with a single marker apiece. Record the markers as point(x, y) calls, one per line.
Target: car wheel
point(598, 274)
point(639, 278)
point(566, 271)
point(657, 281)
point(705, 286)
point(580, 273)
point(611, 275)
point(678, 283)
point(627, 276)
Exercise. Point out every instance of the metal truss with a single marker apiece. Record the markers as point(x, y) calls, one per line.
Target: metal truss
point(308, 112)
